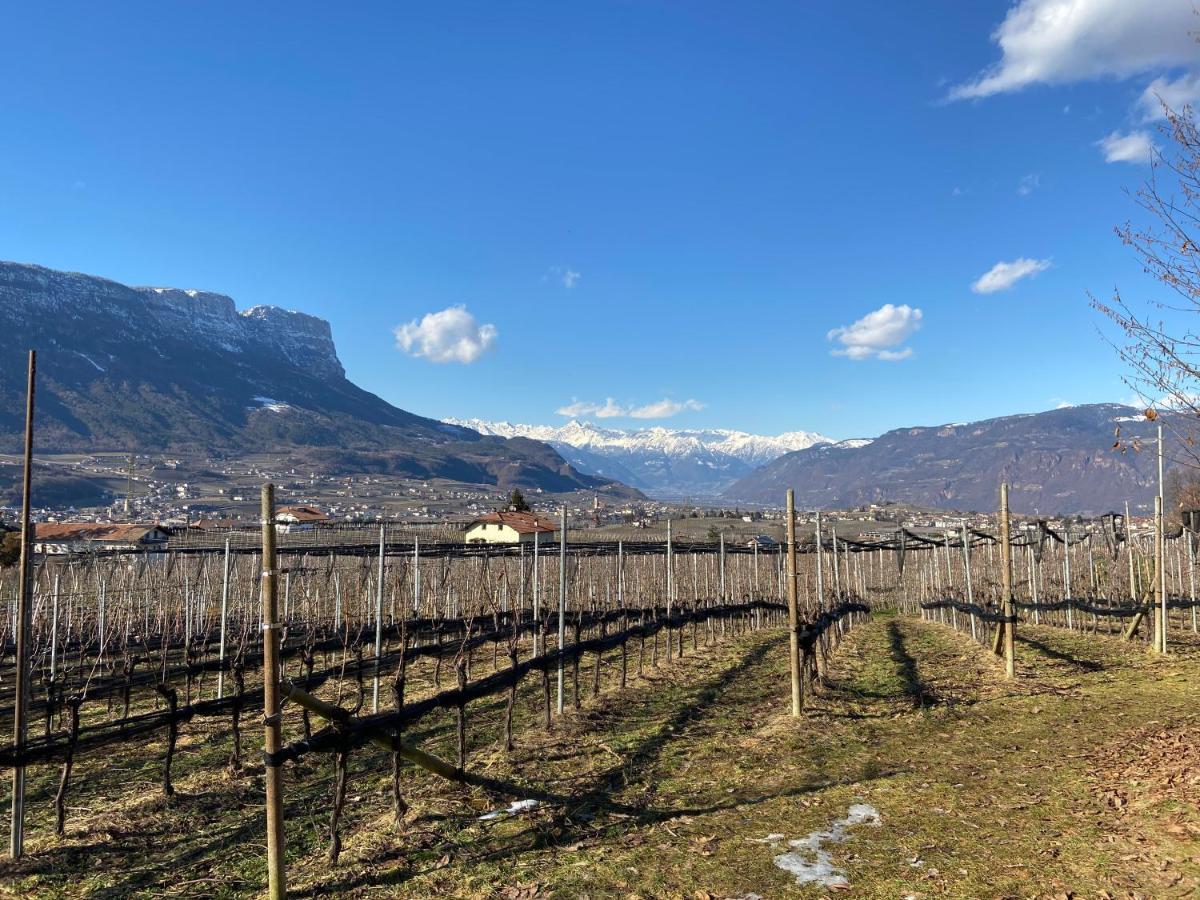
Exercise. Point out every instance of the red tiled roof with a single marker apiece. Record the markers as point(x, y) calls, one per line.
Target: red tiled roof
point(520, 522)
point(302, 513)
point(90, 531)
point(221, 523)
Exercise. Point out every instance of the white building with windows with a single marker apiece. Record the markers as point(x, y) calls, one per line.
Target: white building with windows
point(509, 528)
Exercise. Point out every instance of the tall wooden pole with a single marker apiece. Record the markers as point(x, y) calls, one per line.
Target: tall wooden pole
point(1067, 573)
point(793, 605)
point(379, 615)
point(1187, 536)
point(21, 684)
point(1010, 610)
point(1160, 570)
point(820, 571)
point(224, 623)
point(416, 585)
point(966, 539)
point(562, 610)
point(537, 599)
point(1133, 592)
point(670, 560)
point(277, 885)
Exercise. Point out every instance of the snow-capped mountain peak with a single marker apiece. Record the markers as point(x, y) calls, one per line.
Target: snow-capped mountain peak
point(659, 460)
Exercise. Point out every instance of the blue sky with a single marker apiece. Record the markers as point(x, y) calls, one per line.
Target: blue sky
point(655, 203)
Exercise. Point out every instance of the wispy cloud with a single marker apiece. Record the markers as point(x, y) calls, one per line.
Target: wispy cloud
point(664, 409)
point(610, 409)
point(1175, 95)
point(564, 275)
point(1134, 147)
point(878, 334)
point(452, 335)
point(1003, 275)
point(1064, 41)
point(1028, 184)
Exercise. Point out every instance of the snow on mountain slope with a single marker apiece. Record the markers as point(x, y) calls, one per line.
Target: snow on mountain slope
point(665, 462)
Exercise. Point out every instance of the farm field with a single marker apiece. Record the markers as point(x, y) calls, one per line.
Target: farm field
point(1075, 779)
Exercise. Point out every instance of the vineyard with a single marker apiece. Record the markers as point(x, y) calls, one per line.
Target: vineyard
point(481, 720)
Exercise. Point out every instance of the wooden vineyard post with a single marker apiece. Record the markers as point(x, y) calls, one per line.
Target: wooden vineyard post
point(562, 608)
point(1010, 610)
point(277, 884)
point(224, 623)
point(793, 606)
point(21, 685)
point(966, 539)
point(1160, 550)
point(1160, 570)
point(379, 616)
point(670, 588)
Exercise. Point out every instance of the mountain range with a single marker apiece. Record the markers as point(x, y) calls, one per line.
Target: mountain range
point(160, 369)
point(663, 462)
point(156, 368)
point(1080, 459)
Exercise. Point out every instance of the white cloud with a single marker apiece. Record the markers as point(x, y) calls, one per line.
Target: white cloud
point(877, 334)
point(452, 335)
point(1004, 275)
point(664, 409)
point(610, 409)
point(1135, 147)
point(1028, 184)
point(1062, 41)
point(1183, 91)
point(570, 278)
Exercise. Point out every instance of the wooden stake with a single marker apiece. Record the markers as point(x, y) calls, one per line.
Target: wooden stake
point(277, 886)
point(793, 606)
point(1010, 637)
point(21, 686)
point(224, 620)
point(379, 616)
point(562, 609)
point(1160, 568)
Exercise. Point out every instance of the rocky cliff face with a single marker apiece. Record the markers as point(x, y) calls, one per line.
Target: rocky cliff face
point(153, 368)
point(1061, 461)
point(302, 340)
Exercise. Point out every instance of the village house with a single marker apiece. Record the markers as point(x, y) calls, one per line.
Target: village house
point(289, 519)
point(509, 528)
point(56, 538)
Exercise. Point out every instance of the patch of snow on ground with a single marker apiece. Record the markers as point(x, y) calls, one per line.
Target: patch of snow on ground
point(512, 809)
point(811, 864)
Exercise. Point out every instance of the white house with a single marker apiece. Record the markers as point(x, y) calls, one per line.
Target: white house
point(509, 528)
point(298, 518)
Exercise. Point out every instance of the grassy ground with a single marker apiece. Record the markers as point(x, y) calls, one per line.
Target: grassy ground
point(1079, 779)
